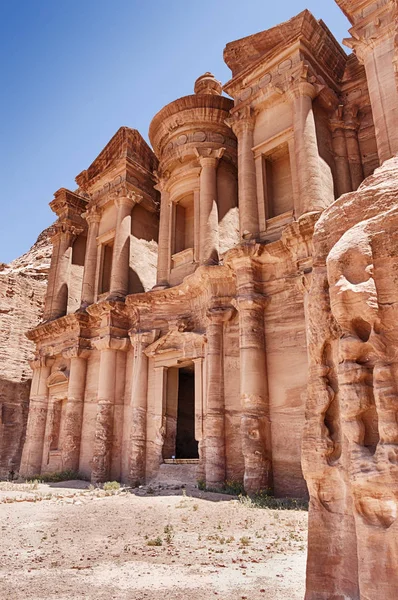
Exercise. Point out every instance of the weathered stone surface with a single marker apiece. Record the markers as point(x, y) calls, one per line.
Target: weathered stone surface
point(22, 292)
point(351, 436)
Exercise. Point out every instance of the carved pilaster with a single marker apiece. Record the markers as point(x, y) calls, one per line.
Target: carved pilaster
point(215, 401)
point(209, 238)
point(242, 123)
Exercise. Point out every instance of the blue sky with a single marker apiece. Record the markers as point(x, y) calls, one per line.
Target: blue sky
point(73, 71)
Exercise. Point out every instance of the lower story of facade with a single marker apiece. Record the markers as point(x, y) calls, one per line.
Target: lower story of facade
point(214, 370)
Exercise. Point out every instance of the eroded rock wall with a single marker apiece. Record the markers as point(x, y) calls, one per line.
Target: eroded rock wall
point(350, 448)
point(22, 288)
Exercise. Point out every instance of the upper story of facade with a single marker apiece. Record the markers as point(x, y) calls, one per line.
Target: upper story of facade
point(304, 123)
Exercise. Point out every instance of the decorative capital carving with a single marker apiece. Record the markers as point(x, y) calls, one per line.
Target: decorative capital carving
point(41, 361)
point(208, 156)
point(142, 338)
point(220, 314)
point(92, 215)
point(63, 229)
point(75, 352)
point(243, 119)
point(107, 342)
point(162, 181)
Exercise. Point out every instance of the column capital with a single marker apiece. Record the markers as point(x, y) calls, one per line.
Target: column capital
point(92, 215)
point(220, 314)
point(301, 88)
point(107, 342)
point(162, 181)
point(128, 199)
point(75, 351)
point(243, 119)
point(64, 230)
point(208, 157)
point(41, 361)
point(143, 338)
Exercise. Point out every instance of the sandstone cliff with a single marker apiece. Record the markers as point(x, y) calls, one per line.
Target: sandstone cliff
point(22, 288)
point(350, 450)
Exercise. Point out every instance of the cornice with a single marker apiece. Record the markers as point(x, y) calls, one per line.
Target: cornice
point(50, 329)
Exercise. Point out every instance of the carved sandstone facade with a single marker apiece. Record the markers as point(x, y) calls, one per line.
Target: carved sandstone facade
point(177, 307)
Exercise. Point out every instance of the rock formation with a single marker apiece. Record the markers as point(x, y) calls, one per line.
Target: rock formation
point(23, 285)
point(350, 450)
point(190, 302)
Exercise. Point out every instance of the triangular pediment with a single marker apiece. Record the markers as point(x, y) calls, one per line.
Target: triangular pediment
point(57, 378)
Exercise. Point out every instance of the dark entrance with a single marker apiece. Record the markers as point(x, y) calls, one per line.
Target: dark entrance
point(186, 445)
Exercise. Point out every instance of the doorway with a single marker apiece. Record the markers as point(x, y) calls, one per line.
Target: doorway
point(186, 445)
point(179, 442)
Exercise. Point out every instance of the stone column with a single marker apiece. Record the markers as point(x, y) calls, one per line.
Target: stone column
point(121, 247)
point(242, 123)
point(209, 240)
point(351, 126)
point(162, 279)
point(73, 418)
point(310, 189)
point(57, 290)
point(255, 420)
point(343, 174)
point(103, 441)
point(139, 402)
point(215, 467)
point(33, 448)
point(93, 218)
point(199, 417)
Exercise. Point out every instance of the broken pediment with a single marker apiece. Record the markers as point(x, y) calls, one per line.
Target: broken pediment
point(247, 52)
point(186, 344)
point(127, 144)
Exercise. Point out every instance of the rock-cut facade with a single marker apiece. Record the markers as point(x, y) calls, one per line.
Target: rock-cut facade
point(209, 300)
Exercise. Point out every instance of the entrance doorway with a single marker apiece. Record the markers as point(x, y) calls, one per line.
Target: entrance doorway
point(186, 445)
point(179, 442)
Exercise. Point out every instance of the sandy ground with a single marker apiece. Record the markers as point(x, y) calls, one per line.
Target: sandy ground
point(76, 544)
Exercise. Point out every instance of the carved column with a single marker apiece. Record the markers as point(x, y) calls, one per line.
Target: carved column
point(93, 218)
point(139, 402)
point(353, 150)
point(121, 248)
point(343, 174)
point(255, 421)
point(215, 404)
point(103, 441)
point(242, 124)
point(310, 189)
point(73, 418)
point(33, 448)
point(164, 251)
point(57, 291)
point(209, 240)
point(199, 417)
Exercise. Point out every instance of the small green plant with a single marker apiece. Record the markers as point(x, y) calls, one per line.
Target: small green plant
point(169, 531)
point(155, 542)
point(66, 475)
point(265, 499)
point(233, 488)
point(111, 486)
point(201, 485)
point(244, 541)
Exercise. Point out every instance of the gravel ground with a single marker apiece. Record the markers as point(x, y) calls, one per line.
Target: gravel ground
point(171, 544)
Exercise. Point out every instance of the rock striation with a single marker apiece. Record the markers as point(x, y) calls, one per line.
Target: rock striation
point(23, 285)
point(350, 449)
